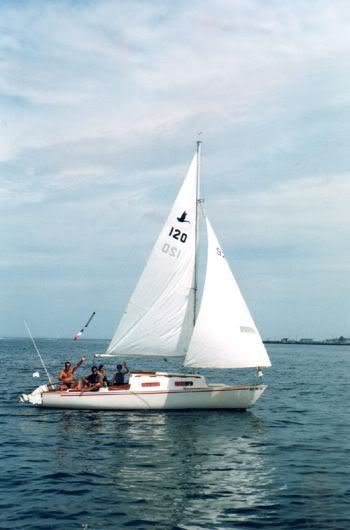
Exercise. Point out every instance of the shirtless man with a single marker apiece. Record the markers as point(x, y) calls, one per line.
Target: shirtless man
point(65, 376)
point(103, 374)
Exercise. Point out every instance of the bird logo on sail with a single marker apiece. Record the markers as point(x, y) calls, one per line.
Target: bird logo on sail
point(182, 218)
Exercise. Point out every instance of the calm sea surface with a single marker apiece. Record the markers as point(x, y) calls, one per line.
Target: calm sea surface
point(284, 465)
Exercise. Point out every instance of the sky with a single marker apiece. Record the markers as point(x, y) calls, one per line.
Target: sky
point(101, 103)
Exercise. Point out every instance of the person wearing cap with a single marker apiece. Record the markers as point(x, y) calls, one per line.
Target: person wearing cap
point(118, 378)
point(66, 376)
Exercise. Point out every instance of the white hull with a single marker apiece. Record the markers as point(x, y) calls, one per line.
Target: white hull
point(242, 398)
point(151, 391)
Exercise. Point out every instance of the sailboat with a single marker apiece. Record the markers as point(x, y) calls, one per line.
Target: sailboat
point(164, 319)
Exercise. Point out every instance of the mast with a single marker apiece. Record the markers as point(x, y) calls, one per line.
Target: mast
point(195, 287)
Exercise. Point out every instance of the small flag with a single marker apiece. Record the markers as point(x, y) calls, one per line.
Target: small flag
point(79, 334)
point(36, 374)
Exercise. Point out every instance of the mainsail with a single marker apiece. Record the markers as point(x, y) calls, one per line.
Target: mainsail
point(158, 319)
point(225, 335)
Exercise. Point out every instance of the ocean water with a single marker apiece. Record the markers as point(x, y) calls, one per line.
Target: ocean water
point(283, 465)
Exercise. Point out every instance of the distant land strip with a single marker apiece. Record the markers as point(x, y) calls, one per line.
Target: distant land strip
point(340, 341)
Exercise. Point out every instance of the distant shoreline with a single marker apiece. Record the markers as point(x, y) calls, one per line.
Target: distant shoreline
point(329, 342)
point(313, 343)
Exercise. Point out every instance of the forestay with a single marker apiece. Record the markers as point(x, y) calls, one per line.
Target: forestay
point(225, 335)
point(159, 317)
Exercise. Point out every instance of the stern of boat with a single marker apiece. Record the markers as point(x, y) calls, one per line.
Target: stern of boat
point(35, 398)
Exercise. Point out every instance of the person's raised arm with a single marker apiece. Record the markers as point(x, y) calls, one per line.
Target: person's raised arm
point(79, 364)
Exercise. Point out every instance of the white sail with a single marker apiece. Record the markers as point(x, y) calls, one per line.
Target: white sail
point(159, 317)
point(224, 335)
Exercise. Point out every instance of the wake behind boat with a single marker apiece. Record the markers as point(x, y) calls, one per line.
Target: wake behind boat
point(162, 319)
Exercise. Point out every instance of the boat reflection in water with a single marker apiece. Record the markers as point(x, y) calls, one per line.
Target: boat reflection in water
point(197, 468)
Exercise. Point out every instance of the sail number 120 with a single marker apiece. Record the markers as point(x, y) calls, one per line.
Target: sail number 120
point(177, 234)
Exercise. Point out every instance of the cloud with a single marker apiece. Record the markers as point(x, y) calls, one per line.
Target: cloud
point(287, 246)
point(100, 106)
point(307, 213)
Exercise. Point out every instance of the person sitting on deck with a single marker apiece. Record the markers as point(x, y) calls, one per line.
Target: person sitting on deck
point(102, 372)
point(94, 381)
point(65, 376)
point(118, 378)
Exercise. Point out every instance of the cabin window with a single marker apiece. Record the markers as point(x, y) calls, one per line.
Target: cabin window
point(183, 383)
point(150, 384)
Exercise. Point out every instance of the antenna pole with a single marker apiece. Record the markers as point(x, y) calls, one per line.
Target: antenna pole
point(199, 143)
point(38, 352)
